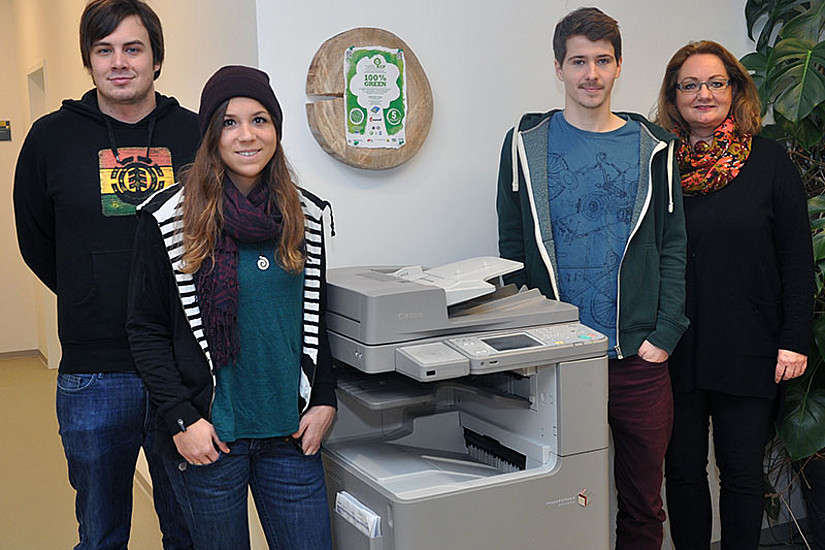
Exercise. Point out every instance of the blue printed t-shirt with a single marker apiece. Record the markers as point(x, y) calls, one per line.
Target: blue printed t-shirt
point(257, 396)
point(592, 183)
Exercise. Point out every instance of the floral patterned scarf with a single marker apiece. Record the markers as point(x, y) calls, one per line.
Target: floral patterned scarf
point(706, 168)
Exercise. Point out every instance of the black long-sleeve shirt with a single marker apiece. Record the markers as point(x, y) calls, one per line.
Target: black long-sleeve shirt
point(749, 276)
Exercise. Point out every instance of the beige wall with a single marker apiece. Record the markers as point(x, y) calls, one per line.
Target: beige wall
point(17, 293)
point(200, 35)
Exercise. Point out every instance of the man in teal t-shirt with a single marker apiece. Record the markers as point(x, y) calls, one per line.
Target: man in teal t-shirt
point(591, 204)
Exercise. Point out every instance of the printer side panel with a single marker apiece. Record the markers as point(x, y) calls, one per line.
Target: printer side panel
point(582, 395)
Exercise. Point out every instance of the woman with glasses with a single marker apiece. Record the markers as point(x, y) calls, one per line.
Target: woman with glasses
point(749, 293)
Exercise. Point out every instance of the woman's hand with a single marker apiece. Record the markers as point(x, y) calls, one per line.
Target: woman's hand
point(197, 444)
point(651, 353)
point(789, 364)
point(313, 427)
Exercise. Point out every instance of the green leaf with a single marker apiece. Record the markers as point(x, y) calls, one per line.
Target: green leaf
point(756, 62)
point(819, 247)
point(818, 224)
point(807, 132)
point(795, 77)
point(803, 430)
point(775, 132)
point(816, 205)
point(773, 13)
point(809, 25)
point(818, 351)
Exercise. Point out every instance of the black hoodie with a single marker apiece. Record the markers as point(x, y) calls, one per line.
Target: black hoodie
point(79, 176)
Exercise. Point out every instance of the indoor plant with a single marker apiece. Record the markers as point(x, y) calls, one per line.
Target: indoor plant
point(789, 69)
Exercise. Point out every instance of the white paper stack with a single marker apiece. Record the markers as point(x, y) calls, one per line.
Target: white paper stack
point(364, 519)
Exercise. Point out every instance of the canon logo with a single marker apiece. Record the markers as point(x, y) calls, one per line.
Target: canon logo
point(404, 315)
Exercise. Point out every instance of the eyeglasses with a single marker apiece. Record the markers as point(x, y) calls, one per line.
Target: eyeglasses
point(694, 86)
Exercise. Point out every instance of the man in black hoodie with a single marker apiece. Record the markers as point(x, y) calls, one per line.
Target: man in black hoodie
point(81, 172)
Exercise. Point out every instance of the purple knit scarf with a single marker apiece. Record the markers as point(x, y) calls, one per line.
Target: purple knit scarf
point(246, 219)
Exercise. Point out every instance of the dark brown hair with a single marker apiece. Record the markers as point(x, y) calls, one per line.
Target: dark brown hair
point(101, 18)
point(591, 23)
point(746, 107)
point(203, 198)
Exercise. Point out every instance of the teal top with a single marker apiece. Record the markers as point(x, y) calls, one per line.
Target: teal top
point(257, 396)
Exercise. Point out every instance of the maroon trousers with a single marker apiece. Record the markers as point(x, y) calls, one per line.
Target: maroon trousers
point(640, 414)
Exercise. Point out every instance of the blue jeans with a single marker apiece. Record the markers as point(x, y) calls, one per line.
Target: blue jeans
point(288, 488)
point(105, 418)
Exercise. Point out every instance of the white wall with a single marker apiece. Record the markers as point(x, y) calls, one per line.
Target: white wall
point(488, 61)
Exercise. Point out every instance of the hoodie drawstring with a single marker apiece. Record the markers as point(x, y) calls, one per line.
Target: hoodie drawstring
point(514, 153)
point(113, 144)
point(670, 148)
point(151, 132)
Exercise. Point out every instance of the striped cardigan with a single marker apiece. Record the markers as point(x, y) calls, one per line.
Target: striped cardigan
point(165, 214)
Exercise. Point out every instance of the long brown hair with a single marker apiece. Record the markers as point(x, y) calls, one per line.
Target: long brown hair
point(745, 107)
point(203, 201)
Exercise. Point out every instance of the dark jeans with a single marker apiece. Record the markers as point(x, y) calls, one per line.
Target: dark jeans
point(741, 428)
point(105, 419)
point(288, 488)
point(640, 413)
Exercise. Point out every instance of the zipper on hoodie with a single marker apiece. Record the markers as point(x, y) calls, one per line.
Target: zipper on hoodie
point(659, 146)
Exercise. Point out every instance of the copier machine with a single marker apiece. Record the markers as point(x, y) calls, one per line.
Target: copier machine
point(471, 416)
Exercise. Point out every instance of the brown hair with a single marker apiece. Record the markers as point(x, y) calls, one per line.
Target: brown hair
point(591, 23)
point(203, 200)
point(746, 107)
point(101, 18)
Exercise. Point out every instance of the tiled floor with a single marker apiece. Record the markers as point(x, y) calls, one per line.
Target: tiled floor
point(36, 500)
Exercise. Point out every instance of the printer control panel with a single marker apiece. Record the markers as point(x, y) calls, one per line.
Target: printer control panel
point(546, 336)
point(497, 351)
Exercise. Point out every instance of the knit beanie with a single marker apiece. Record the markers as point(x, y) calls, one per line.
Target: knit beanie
point(238, 81)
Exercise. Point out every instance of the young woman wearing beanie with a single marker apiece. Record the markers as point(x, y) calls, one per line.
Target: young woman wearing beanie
point(226, 325)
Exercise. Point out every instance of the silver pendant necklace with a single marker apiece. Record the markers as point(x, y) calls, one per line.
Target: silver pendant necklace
point(263, 262)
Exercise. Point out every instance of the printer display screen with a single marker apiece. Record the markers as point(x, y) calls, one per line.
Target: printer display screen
point(511, 341)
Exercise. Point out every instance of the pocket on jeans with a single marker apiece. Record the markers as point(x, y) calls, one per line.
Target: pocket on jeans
point(652, 363)
point(207, 465)
point(297, 445)
point(72, 383)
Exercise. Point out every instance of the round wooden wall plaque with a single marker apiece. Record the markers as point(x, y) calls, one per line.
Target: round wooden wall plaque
point(325, 88)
